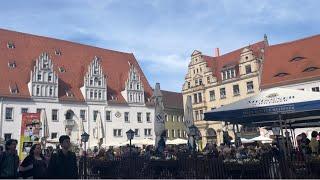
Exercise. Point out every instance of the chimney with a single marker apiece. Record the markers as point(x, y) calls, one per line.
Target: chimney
point(216, 52)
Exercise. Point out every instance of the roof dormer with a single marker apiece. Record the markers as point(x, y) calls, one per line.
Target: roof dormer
point(95, 82)
point(134, 90)
point(43, 80)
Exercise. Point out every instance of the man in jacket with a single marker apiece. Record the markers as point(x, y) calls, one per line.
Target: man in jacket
point(63, 164)
point(9, 161)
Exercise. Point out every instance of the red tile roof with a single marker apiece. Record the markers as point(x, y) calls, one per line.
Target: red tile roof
point(172, 99)
point(231, 59)
point(292, 58)
point(74, 57)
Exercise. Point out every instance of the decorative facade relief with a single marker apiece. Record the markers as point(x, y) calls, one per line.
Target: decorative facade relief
point(95, 82)
point(134, 91)
point(43, 80)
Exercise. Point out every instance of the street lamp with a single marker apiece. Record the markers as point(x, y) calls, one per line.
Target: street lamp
point(130, 135)
point(84, 139)
point(193, 132)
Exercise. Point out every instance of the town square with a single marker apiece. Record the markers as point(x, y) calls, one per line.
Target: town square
point(159, 89)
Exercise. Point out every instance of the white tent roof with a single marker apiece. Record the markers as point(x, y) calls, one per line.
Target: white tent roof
point(177, 141)
point(261, 138)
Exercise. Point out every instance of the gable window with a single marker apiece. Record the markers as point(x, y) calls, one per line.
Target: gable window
point(49, 77)
point(99, 95)
point(39, 77)
point(95, 115)
point(248, 69)
point(315, 89)
point(57, 52)
point(91, 94)
point(91, 81)
point(99, 83)
point(139, 117)
point(200, 81)
point(38, 91)
point(148, 117)
point(50, 91)
point(212, 95)
point(83, 115)
point(250, 87)
point(189, 84)
point(54, 115)
point(138, 87)
point(222, 93)
point(95, 94)
point(9, 113)
point(126, 116)
point(196, 82)
point(236, 90)
point(108, 115)
point(62, 70)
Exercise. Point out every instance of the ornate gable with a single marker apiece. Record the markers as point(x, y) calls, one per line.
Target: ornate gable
point(134, 90)
point(95, 82)
point(43, 80)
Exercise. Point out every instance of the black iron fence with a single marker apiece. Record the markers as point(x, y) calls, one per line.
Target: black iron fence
point(199, 167)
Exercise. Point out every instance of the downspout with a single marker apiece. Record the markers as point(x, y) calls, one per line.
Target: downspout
point(1, 116)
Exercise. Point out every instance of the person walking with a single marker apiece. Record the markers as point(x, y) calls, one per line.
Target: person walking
point(63, 164)
point(34, 165)
point(9, 161)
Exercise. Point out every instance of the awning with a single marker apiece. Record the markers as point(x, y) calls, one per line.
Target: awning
point(295, 106)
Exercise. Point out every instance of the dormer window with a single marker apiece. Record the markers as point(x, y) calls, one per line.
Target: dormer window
point(282, 74)
point(11, 64)
point(69, 93)
point(11, 45)
point(57, 52)
point(309, 69)
point(228, 74)
point(297, 58)
point(14, 89)
point(62, 70)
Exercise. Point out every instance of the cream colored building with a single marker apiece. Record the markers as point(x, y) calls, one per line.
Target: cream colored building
point(216, 81)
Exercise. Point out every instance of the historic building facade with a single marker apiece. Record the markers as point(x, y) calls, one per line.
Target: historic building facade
point(73, 83)
point(214, 81)
point(174, 115)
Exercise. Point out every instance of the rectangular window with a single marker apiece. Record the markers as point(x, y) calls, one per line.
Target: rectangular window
point(136, 132)
point(91, 94)
point(49, 78)
point(166, 117)
point(178, 133)
point(95, 114)
point(248, 69)
point(24, 110)
point(189, 85)
point(195, 98)
point(54, 115)
point(315, 89)
point(148, 117)
point(178, 118)
point(9, 113)
point(83, 115)
point(196, 115)
point(196, 82)
point(147, 132)
point(39, 77)
point(39, 110)
point(126, 116)
point(54, 135)
point(38, 91)
point(200, 81)
point(167, 133)
point(222, 93)
point(200, 97)
point(108, 115)
point(117, 132)
point(139, 117)
point(236, 90)
point(50, 92)
point(201, 114)
point(250, 86)
point(7, 136)
point(172, 132)
point(212, 95)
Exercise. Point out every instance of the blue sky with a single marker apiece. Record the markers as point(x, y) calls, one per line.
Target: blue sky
point(162, 34)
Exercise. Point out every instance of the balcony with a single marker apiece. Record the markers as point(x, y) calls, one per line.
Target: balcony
point(69, 123)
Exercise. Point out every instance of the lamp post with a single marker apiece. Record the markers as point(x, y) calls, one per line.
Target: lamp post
point(84, 139)
point(130, 135)
point(193, 132)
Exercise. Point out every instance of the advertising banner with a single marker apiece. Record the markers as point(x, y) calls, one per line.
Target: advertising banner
point(30, 132)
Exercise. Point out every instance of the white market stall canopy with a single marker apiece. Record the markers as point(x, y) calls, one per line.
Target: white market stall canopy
point(295, 106)
point(177, 141)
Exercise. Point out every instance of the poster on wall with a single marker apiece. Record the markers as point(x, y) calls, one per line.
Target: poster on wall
point(30, 132)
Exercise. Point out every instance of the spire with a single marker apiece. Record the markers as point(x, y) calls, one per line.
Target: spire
point(265, 39)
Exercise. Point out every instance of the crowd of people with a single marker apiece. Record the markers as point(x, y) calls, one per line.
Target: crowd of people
point(59, 164)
